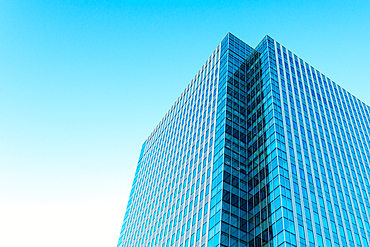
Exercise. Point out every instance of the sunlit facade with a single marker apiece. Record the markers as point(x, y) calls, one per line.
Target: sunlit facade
point(261, 149)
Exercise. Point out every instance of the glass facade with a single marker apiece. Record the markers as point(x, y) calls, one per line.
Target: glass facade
point(261, 149)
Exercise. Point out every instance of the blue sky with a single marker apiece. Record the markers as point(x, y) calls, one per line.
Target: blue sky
point(83, 83)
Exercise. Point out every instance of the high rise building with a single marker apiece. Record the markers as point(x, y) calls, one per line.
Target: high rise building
point(261, 149)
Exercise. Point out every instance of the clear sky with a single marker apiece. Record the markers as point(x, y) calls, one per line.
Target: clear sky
point(83, 83)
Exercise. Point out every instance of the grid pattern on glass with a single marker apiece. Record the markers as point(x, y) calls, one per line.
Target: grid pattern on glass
point(169, 198)
point(231, 59)
point(327, 137)
point(243, 87)
point(289, 165)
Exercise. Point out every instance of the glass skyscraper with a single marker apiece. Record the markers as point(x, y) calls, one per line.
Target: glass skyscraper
point(261, 149)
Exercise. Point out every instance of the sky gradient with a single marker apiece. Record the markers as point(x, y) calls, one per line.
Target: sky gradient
point(83, 84)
